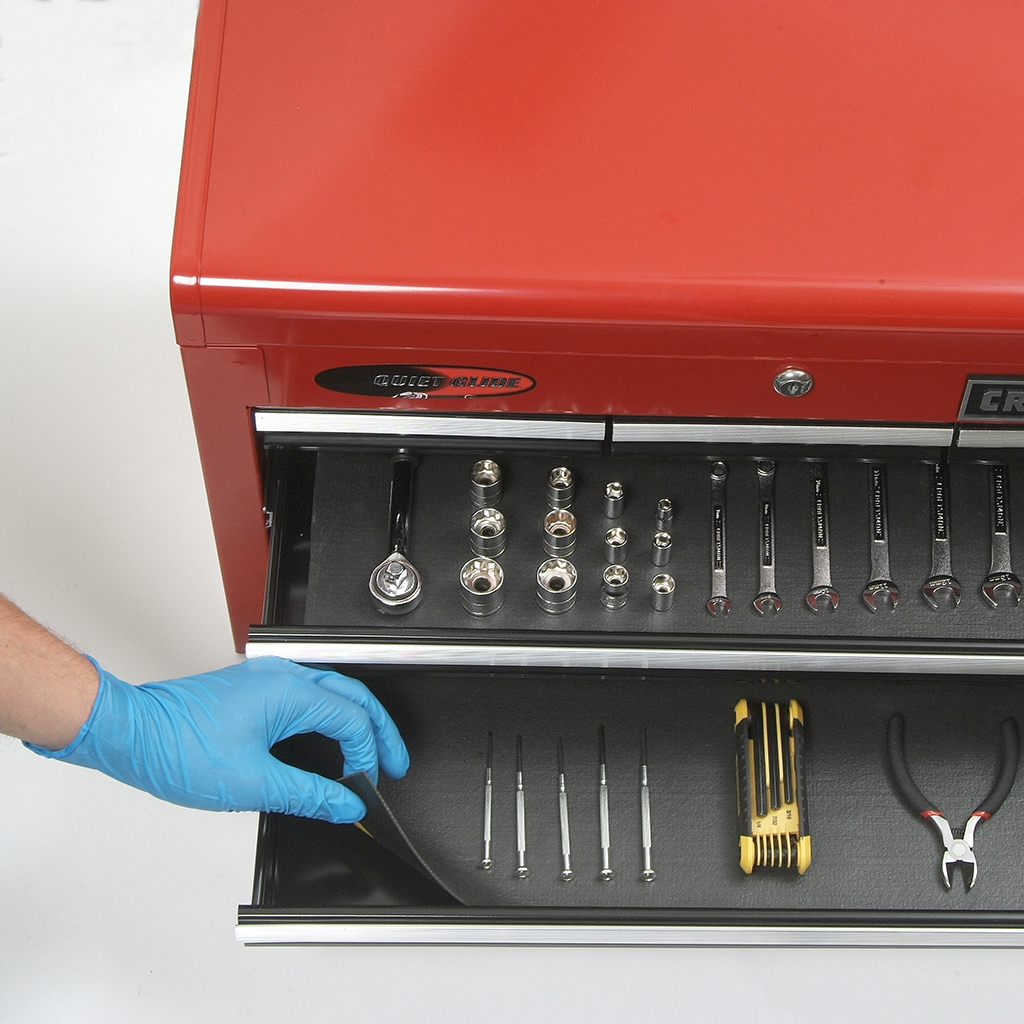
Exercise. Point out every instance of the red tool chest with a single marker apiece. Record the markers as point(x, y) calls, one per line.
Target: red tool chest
point(638, 243)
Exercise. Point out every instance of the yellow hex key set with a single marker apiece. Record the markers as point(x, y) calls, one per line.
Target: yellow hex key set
point(770, 786)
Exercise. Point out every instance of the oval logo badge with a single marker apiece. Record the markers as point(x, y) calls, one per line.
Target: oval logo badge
point(397, 380)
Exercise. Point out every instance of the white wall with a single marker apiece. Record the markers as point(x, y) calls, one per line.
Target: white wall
point(113, 906)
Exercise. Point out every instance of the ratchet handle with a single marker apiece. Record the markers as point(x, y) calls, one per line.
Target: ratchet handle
point(897, 759)
point(403, 475)
point(1007, 771)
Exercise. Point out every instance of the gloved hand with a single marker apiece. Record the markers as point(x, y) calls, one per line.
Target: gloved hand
point(204, 741)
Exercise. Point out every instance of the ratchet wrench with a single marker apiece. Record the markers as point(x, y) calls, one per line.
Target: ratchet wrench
point(821, 585)
point(396, 585)
point(941, 580)
point(880, 586)
point(1001, 580)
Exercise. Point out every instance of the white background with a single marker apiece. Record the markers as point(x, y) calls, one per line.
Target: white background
point(113, 906)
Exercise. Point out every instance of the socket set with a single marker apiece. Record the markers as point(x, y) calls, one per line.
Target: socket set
point(886, 549)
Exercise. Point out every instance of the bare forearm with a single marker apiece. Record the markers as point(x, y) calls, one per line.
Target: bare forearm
point(46, 688)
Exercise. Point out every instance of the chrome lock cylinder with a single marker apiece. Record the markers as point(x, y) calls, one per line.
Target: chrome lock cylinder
point(482, 586)
point(556, 585)
point(487, 532)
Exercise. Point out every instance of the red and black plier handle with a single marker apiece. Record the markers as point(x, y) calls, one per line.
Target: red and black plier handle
point(957, 850)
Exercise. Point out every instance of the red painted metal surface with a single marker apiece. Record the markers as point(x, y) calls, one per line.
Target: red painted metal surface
point(649, 208)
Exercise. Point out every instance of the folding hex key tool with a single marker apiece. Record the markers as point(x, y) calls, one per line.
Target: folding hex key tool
point(771, 787)
point(956, 850)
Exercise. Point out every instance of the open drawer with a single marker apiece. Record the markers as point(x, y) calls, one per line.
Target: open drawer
point(459, 684)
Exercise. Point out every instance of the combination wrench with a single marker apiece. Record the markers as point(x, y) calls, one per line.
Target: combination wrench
point(880, 586)
point(1001, 579)
point(719, 603)
point(941, 580)
point(767, 596)
point(821, 585)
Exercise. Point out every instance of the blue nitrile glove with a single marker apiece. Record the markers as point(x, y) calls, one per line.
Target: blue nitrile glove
point(204, 741)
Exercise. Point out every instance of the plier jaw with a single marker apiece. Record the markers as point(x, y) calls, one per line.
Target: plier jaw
point(957, 851)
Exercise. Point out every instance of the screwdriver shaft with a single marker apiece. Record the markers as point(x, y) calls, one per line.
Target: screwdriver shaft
point(648, 873)
point(602, 793)
point(487, 862)
point(521, 869)
point(563, 817)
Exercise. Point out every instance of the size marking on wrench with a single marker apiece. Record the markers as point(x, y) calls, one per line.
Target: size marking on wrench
point(821, 585)
point(767, 597)
point(941, 581)
point(1001, 580)
point(880, 587)
point(719, 603)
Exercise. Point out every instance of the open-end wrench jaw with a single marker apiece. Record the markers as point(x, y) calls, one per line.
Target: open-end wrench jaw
point(767, 601)
point(944, 586)
point(881, 592)
point(1001, 584)
point(719, 606)
point(817, 593)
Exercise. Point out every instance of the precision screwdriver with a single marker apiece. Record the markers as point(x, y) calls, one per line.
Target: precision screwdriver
point(648, 874)
point(602, 792)
point(563, 815)
point(521, 869)
point(487, 863)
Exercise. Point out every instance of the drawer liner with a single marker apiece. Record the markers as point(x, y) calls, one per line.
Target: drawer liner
point(870, 852)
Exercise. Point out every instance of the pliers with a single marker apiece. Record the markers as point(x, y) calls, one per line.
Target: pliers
point(956, 850)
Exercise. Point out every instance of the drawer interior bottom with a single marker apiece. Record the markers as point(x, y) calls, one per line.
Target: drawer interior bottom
point(871, 853)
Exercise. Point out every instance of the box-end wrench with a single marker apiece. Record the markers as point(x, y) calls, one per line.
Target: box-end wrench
point(821, 585)
point(1001, 580)
point(880, 587)
point(941, 581)
point(719, 602)
point(396, 585)
point(767, 597)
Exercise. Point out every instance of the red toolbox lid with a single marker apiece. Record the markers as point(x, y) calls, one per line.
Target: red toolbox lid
point(802, 163)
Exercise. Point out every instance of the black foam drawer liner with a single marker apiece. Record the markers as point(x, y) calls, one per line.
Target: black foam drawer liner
point(348, 536)
point(873, 858)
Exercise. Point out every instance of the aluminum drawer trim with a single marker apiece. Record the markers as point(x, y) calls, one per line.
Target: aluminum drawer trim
point(982, 438)
point(284, 421)
point(481, 656)
point(655, 432)
point(621, 935)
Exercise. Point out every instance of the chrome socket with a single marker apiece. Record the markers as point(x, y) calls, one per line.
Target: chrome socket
point(487, 532)
point(616, 543)
point(556, 585)
point(614, 586)
point(482, 586)
point(561, 487)
point(559, 532)
point(661, 549)
point(614, 499)
point(663, 592)
point(485, 482)
point(663, 516)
